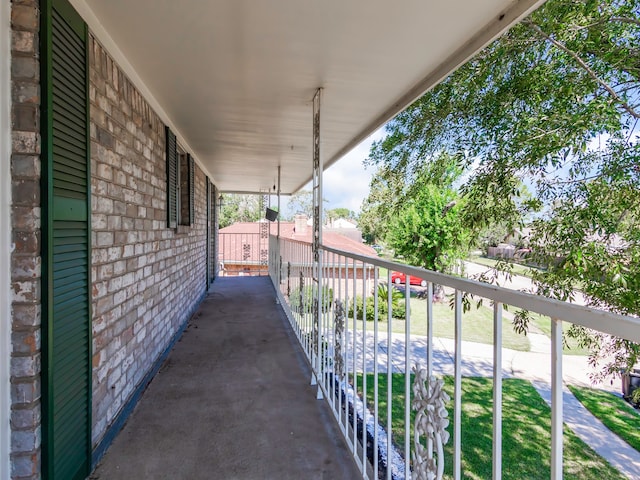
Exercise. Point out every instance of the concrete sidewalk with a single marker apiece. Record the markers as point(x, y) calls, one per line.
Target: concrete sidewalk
point(593, 432)
point(232, 401)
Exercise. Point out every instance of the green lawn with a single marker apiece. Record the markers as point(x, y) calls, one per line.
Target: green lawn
point(477, 325)
point(617, 415)
point(526, 432)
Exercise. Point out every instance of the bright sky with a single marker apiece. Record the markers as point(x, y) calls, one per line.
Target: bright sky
point(346, 182)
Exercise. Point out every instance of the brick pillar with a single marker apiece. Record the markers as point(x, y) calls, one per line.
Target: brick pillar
point(25, 258)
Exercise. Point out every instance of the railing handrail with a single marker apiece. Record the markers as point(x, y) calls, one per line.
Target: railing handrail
point(349, 349)
point(624, 326)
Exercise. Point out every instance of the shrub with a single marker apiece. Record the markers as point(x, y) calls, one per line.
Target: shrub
point(397, 305)
point(307, 299)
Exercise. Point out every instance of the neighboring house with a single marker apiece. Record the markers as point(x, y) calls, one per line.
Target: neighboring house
point(345, 227)
point(243, 250)
point(341, 223)
point(519, 236)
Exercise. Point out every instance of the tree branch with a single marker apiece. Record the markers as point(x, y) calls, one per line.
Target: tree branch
point(578, 180)
point(584, 65)
point(633, 21)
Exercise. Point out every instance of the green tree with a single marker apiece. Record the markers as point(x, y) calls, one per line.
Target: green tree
point(340, 212)
point(301, 202)
point(239, 208)
point(385, 190)
point(554, 101)
point(418, 217)
point(427, 230)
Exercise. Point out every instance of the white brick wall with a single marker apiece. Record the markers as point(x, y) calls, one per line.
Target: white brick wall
point(146, 277)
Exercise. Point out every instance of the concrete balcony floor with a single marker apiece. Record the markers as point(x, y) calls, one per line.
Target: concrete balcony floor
point(232, 401)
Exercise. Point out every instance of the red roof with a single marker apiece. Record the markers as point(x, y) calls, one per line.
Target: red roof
point(287, 230)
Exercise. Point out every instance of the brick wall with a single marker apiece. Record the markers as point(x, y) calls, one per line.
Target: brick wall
point(25, 257)
point(146, 278)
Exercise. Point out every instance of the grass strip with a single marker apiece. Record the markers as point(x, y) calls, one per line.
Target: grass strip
point(614, 412)
point(526, 431)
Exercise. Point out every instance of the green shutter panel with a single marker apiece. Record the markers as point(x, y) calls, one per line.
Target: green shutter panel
point(209, 232)
point(172, 179)
point(192, 189)
point(66, 246)
point(214, 232)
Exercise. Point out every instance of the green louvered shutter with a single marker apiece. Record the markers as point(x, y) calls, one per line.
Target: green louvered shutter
point(214, 232)
point(208, 208)
point(192, 189)
point(172, 179)
point(66, 246)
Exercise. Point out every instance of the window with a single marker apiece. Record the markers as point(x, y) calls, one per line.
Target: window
point(180, 183)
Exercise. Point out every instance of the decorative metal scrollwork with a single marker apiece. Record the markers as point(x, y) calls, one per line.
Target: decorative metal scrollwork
point(301, 294)
point(338, 338)
point(316, 175)
point(264, 230)
point(429, 401)
point(315, 333)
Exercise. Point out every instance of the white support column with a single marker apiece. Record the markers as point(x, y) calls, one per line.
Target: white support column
point(457, 393)
point(278, 254)
point(317, 233)
point(264, 230)
point(5, 235)
point(497, 391)
point(279, 212)
point(556, 399)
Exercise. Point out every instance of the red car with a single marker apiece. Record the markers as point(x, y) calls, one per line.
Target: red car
point(400, 278)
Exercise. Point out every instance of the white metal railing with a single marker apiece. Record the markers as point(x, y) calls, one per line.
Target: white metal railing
point(243, 254)
point(347, 345)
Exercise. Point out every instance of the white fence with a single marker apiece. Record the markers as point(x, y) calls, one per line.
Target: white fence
point(341, 334)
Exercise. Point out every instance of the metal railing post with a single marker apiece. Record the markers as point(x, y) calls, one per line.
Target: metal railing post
point(497, 391)
point(457, 393)
point(556, 399)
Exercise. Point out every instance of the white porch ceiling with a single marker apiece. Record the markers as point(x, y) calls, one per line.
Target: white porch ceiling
point(235, 78)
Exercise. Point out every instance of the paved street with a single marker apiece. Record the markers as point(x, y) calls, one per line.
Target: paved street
point(516, 282)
